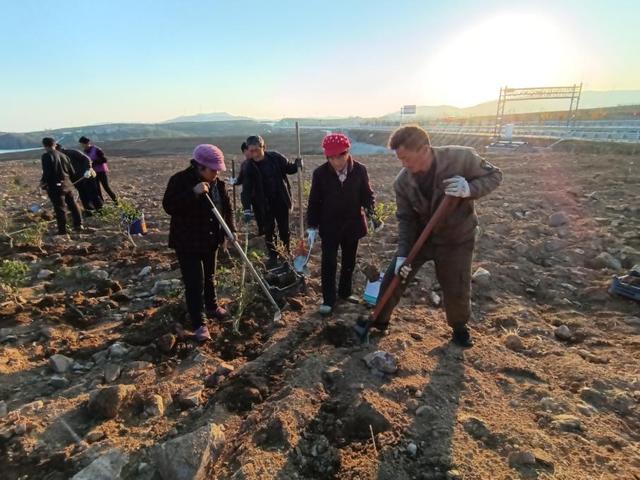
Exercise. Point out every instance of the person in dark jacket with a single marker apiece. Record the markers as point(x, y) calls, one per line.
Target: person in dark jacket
point(83, 179)
point(195, 232)
point(237, 180)
point(339, 199)
point(56, 179)
point(266, 194)
point(100, 165)
point(245, 152)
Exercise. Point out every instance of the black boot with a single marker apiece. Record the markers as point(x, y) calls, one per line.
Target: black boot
point(462, 338)
point(273, 261)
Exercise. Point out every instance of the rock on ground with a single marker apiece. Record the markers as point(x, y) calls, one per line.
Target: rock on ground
point(513, 342)
point(558, 219)
point(111, 372)
point(385, 362)
point(482, 277)
point(60, 363)
point(106, 467)
point(187, 457)
point(107, 402)
point(606, 260)
point(517, 459)
point(563, 333)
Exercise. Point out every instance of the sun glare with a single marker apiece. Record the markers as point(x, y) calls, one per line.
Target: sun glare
point(518, 50)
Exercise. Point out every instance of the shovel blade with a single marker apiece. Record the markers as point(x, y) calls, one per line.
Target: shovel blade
point(361, 329)
point(299, 263)
point(277, 319)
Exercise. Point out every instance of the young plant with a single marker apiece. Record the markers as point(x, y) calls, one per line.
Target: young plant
point(32, 235)
point(382, 211)
point(121, 215)
point(13, 275)
point(306, 188)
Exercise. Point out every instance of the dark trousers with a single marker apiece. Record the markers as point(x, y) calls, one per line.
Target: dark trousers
point(349, 248)
point(58, 199)
point(276, 214)
point(103, 179)
point(88, 191)
point(453, 271)
point(198, 274)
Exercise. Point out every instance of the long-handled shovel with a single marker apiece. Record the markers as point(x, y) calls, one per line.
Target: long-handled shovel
point(277, 317)
point(444, 209)
point(300, 247)
point(300, 185)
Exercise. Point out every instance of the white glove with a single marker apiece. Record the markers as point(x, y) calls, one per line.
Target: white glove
point(93, 173)
point(313, 234)
point(87, 174)
point(457, 187)
point(232, 181)
point(402, 269)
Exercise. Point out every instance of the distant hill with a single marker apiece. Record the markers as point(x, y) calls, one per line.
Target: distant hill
point(207, 117)
point(15, 141)
point(222, 123)
point(127, 131)
point(588, 99)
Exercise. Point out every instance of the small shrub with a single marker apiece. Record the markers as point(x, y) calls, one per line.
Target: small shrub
point(121, 215)
point(13, 274)
point(383, 211)
point(33, 235)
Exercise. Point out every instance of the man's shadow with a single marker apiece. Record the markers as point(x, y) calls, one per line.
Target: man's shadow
point(434, 426)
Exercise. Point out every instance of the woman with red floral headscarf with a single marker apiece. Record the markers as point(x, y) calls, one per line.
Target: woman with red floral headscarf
point(339, 200)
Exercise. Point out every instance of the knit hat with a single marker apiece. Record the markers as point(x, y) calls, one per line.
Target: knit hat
point(209, 156)
point(335, 143)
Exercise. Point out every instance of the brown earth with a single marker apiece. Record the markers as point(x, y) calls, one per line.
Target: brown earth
point(297, 401)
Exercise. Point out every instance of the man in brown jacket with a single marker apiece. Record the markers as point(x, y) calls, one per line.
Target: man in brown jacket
point(428, 175)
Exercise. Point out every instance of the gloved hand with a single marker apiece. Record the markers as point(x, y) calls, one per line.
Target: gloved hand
point(299, 162)
point(375, 225)
point(232, 181)
point(87, 174)
point(313, 234)
point(247, 216)
point(93, 173)
point(457, 187)
point(402, 269)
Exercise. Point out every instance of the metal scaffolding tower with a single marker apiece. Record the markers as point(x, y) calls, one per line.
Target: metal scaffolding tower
point(537, 93)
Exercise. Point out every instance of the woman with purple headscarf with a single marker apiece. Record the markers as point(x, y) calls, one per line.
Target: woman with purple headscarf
point(100, 166)
point(195, 232)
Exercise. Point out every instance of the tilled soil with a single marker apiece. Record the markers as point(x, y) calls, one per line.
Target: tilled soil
point(549, 391)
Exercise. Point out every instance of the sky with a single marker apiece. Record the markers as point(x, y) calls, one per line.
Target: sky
point(72, 63)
